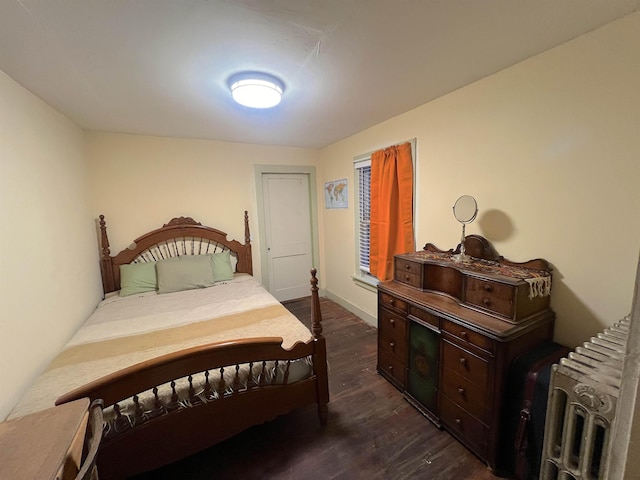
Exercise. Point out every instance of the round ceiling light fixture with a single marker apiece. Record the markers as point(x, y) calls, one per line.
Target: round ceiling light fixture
point(256, 90)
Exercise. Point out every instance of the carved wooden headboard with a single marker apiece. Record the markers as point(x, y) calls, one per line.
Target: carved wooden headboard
point(180, 236)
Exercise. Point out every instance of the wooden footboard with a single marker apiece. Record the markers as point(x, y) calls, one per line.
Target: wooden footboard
point(227, 387)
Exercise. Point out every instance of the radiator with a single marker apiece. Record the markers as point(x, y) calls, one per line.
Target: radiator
point(583, 394)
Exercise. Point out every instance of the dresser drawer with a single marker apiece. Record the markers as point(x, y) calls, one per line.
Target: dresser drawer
point(424, 316)
point(389, 301)
point(409, 278)
point(493, 296)
point(396, 347)
point(393, 368)
point(464, 363)
point(470, 396)
point(407, 266)
point(463, 425)
point(392, 336)
point(408, 272)
point(469, 336)
point(392, 326)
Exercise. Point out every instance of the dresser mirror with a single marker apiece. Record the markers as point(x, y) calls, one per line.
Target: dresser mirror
point(465, 210)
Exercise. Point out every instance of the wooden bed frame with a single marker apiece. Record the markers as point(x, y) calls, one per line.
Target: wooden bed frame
point(175, 429)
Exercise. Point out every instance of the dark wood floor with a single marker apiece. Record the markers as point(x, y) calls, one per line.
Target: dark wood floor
point(373, 432)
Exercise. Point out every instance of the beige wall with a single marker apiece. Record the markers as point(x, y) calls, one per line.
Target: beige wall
point(158, 178)
point(549, 148)
point(48, 258)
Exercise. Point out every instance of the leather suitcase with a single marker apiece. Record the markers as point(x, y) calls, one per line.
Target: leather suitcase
point(525, 409)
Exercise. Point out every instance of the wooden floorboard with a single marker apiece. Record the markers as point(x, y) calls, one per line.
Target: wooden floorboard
point(373, 433)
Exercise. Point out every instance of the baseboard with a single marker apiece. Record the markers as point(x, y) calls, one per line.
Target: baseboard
point(371, 320)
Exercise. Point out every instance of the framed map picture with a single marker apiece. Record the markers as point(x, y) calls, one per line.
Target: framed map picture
point(336, 194)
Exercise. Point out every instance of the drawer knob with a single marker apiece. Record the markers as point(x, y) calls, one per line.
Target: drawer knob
point(407, 277)
point(461, 391)
point(392, 345)
point(463, 361)
point(463, 334)
point(390, 368)
point(486, 301)
point(392, 321)
point(487, 287)
point(407, 266)
point(392, 302)
point(458, 421)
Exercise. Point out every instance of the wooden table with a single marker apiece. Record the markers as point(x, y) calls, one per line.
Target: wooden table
point(44, 445)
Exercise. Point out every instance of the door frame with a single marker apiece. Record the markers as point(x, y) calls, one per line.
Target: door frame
point(308, 170)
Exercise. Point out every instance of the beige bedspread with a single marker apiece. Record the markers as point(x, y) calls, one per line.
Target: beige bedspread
point(125, 331)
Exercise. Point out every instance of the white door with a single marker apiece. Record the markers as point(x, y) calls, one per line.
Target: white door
point(287, 216)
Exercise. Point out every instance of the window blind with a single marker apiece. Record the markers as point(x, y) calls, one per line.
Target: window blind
point(364, 208)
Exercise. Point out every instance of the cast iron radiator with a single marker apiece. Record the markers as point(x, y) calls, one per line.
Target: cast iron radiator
point(583, 394)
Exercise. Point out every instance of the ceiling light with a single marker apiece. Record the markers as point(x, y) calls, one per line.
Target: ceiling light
point(256, 90)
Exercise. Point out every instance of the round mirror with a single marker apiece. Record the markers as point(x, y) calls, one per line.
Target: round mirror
point(465, 209)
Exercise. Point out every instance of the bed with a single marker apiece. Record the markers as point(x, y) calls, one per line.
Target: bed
point(188, 361)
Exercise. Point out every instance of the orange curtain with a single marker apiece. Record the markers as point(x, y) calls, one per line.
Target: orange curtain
point(391, 208)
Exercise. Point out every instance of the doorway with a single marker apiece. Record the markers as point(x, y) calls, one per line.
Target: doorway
point(286, 197)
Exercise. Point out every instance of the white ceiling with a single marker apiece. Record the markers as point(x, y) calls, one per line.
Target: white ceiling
point(159, 67)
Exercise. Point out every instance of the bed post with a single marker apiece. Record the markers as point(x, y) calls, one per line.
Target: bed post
point(247, 242)
point(106, 266)
point(247, 235)
point(316, 314)
point(320, 360)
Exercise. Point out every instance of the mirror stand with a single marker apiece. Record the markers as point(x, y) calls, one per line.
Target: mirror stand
point(462, 256)
point(465, 210)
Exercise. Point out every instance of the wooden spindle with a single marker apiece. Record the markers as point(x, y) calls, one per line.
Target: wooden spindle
point(138, 412)
point(275, 373)
point(194, 398)
point(174, 403)
point(285, 380)
point(158, 408)
point(121, 422)
point(236, 379)
point(222, 384)
point(163, 250)
point(251, 382)
point(263, 374)
point(207, 393)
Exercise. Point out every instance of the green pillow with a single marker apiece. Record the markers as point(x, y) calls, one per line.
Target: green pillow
point(138, 278)
point(222, 269)
point(184, 273)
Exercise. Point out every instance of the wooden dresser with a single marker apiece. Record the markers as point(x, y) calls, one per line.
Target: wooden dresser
point(448, 331)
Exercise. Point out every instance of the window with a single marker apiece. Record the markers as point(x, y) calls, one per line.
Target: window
point(362, 175)
point(363, 178)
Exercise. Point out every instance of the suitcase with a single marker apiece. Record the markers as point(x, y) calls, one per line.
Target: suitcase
point(525, 411)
